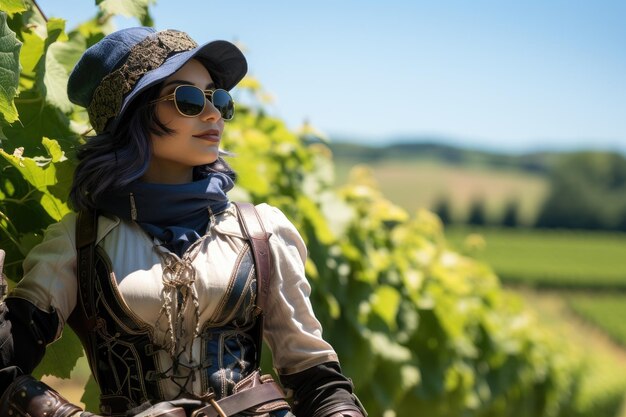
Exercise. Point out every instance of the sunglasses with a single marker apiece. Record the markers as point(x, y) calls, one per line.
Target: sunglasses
point(190, 101)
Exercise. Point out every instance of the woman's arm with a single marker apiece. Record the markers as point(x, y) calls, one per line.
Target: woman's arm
point(30, 320)
point(25, 331)
point(306, 363)
point(28, 323)
point(31, 317)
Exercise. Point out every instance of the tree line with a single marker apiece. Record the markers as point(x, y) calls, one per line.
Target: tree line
point(587, 190)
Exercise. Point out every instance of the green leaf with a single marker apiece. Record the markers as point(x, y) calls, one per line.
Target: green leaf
point(38, 120)
point(54, 150)
point(31, 169)
point(55, 79)
point(91, 396)
point(41, 173)
point(51, 75)
point(56, 30)
point(385, 303)
point(313, 215)
point(68, 53)
point(31, 21)
point(94, 30)
point(61, 356)
point(32, 52)
point(128, 8)
point(147, 20)
point(333, 306)
point(388, 349)
point(12, 6)
point(9, 70)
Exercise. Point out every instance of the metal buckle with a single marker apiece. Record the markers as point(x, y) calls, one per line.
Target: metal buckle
point(202, 412)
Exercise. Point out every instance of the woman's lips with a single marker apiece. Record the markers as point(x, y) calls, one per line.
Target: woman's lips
point(210, 135)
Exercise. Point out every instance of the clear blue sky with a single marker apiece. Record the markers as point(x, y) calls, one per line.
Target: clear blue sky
point(503, 75)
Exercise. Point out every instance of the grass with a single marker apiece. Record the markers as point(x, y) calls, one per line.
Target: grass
point(606, 311)
point(420, 184)
point(550, 258)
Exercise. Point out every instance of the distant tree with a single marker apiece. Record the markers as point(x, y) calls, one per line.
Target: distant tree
point(621, 223)
point(587, 191)
point(510, 218)
point(442, 209)
point(477, 213)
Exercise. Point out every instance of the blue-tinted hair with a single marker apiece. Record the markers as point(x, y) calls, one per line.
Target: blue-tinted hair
point(113, 160)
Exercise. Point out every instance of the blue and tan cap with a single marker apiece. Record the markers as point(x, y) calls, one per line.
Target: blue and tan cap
point(113, 71)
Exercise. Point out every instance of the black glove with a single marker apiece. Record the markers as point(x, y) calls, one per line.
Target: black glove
point(323, 391)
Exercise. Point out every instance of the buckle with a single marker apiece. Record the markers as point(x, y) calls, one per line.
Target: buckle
point(203, 412)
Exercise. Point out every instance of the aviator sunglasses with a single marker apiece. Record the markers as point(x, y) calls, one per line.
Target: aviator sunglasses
point(190, 101)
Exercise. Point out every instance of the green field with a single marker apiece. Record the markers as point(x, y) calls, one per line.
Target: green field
point(419, 184)
point(550, 258)
point(607, 311)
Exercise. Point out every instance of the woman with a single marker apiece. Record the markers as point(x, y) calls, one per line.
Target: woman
point(166, 299)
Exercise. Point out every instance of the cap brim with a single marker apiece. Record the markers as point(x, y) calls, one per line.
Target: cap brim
point(229, 61)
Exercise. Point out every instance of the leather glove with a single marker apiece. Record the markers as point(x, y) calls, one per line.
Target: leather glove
point(323, 391)
point(27, 396)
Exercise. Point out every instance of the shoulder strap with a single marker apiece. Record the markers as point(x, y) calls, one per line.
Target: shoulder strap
point(259, 243)
point(86, 232)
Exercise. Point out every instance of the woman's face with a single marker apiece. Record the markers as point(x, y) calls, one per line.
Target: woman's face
point(195, 140)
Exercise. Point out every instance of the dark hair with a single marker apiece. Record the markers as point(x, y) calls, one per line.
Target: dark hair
point(113, 160)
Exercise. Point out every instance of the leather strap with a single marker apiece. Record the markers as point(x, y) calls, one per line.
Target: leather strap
point(86, 232)
point(240, 401)
point(259, 243)
point(28, 397)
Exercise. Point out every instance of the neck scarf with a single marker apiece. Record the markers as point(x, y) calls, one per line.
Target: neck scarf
point(176, 214)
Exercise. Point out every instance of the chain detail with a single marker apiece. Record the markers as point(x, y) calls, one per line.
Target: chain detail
point(179, 276)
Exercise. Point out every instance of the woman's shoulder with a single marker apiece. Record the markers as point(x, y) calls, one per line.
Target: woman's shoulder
point(68, 225)
point(273, 219)
point(284, 236)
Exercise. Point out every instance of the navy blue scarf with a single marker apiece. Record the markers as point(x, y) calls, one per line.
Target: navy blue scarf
point(176, 214)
